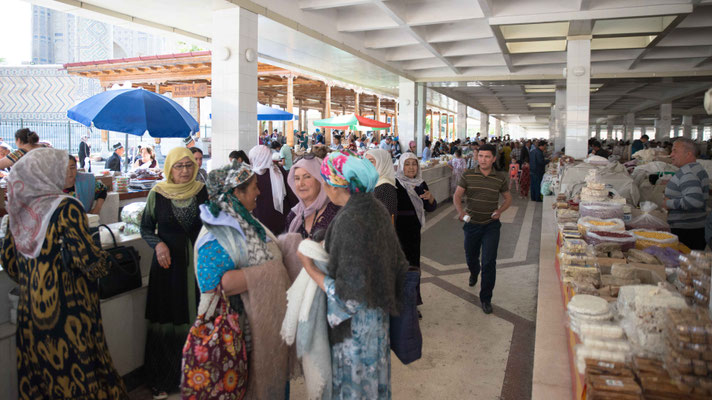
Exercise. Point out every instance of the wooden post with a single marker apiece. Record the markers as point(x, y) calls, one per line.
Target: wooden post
point(327, 111)
point(270, 122)
point(290, 108)
point(357, 106)
point(197, 134)
point(394, 124)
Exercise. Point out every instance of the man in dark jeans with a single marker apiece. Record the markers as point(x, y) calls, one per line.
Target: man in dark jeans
point(483, 186)
point(537, 165)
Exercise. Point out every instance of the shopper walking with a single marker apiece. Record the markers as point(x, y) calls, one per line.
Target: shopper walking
point(385, 190)
point(483, 187)
point(84, 152)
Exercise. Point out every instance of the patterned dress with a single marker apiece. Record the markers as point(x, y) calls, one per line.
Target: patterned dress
point(361, 364)
point(61, 349)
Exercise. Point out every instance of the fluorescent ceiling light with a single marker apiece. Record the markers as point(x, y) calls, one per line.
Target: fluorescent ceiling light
point(539, 46)
point(528, 31)
point(631, 25)
point(629, 42)
point(552, 90)
point(539, 105)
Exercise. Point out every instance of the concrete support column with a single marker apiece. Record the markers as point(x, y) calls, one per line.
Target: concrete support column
point(234, 82)
point(559, 132)
point(497, 127)
point(687, 126)
point(461, 121)
point(578, 86)
point(700, 132)
point(484, 125)
point(628, 126)
point(609, 131)
point(662, 124)
point(411, 113)
point(598, 131)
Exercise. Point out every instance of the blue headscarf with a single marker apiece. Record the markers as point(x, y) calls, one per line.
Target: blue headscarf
point(351, 172)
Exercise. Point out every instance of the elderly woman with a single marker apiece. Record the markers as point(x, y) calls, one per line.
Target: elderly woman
point(237, 251)
point(170, 225)
point(414, 199)
point(364, 283)
point(275, 196)
point(48, 251)
point(147, 160)
point(385, 190)
point(314, 212)
point(84, 187)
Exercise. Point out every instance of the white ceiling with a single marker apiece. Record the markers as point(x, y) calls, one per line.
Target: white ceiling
point(485, 43)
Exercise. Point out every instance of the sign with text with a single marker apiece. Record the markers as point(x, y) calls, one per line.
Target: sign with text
point(191, 90)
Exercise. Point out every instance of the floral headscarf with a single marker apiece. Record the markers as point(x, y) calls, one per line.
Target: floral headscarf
point(221, 183)
point(340, 169)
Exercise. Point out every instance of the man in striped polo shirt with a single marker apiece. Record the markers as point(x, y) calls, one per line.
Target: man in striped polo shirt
point(483, 186)
point(686, 195)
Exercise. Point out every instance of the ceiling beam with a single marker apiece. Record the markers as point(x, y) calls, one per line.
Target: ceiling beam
point(682, 90)
point(403, 25)
point(657, 40)
point(623, 12)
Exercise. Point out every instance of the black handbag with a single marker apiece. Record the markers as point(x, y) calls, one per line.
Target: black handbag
point(125, 271)
point(406, 337)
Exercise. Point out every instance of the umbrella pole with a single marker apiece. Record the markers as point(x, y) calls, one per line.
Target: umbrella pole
point(126, 154)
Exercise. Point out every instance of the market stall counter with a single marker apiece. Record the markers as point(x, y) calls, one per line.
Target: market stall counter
point(438, 179)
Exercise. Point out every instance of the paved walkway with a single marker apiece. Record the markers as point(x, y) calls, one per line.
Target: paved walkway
point(467, 354)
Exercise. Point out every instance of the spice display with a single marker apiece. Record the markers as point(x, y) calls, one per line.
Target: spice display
point(601, 210)
point(586, 224)
point(646, 238)
point(624, 239)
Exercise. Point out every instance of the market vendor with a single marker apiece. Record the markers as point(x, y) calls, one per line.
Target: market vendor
point(113, 163)
point(639, 144)
point(85, 188)
point(686, 195)
point(598, 150)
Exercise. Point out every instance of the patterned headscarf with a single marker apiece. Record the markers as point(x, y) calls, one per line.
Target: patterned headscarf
point(410, 184)
point(340, 169)
point(221, 183)
point(34, 189)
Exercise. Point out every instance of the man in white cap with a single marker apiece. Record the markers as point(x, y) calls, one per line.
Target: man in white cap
point(113, 163)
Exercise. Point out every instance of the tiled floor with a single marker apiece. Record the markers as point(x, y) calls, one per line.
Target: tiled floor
point(467, 354)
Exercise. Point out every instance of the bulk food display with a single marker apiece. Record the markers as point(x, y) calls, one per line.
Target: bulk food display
point(637, 300)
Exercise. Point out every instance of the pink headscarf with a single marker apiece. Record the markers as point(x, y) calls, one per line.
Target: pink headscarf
point(313, 166)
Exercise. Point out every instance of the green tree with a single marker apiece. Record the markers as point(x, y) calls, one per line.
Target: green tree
point(184, 47)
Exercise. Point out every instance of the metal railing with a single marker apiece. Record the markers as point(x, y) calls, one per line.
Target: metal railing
point(66, 135)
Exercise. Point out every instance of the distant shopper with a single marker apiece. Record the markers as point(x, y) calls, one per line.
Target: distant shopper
point(686, 195)
point(114, 162)
point(198, 155)
point(598, 150)
point(238, 155)
point(25, 140)
point(427, 153)
point(537, 167)
point(483, 187)
point(84, 152)
point(147, 159)
point(276, 198)
point(385, 190)
point(639, 144)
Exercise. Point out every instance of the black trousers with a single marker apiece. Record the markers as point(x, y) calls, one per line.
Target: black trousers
point(483, 240)
point(692, 238)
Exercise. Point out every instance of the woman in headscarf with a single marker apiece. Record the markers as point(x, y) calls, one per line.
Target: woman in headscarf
point(364, 282)
point(84, 187)
point(235, 250)
point(414, 199)
point(275, 196)
point(172, 302)
point(385, 190)
point(48, 251)
point(314, 212)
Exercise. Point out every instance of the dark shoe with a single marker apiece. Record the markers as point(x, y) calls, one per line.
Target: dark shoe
point(473, 280)
point(158, 394)
point(420, 316)
point(487, 307)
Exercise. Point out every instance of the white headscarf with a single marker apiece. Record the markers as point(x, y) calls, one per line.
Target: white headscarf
point(384, 166)
point(34, 192)
point(410, 183)
point(261, 158)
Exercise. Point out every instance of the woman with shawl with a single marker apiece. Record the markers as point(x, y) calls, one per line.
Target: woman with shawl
point(171, 211)
point(275, 196)
point(414, 199)
point(385, 190)
point(364, 283)
point(238, 252)
point(48, 251)
point(314, 212)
